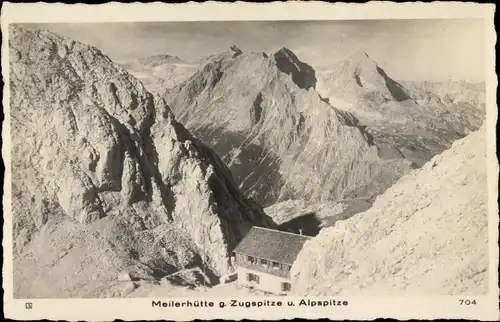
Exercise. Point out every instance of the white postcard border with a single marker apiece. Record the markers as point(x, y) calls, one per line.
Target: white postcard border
point(360, 308)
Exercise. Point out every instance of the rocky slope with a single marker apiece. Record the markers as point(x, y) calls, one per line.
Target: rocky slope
point(302, 74)
point(416, 120)
point(160, 72)
point(105, 180)
point(447, 93)
point(427, 234)
point(278, 137)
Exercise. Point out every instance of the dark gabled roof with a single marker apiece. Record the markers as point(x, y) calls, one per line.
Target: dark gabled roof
point(273, 245)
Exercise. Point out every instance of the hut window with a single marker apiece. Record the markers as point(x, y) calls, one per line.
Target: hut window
point(286, 287)
point(263, 262)
point(253, 278)
point(251, 259)
point(276, 265)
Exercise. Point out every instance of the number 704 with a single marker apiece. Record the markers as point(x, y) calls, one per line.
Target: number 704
point(467, 302)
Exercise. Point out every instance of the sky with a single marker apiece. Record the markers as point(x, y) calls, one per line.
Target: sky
point(433, 50)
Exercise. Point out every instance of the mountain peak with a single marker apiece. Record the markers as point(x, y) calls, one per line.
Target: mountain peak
point(285, 50)
point(302, 74)
point(359, 55)
point(289, 54)
point(236, 50)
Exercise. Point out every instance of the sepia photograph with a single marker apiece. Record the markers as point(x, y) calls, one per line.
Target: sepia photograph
point(184, 161)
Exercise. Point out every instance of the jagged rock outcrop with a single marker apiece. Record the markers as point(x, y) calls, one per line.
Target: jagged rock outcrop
point(99, 164)
point(427, 234)
point(414, 120)
point(279, 140)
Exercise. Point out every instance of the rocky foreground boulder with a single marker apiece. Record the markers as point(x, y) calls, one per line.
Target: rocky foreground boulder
point(280, 139)
point(104, 178)
point(427, 234)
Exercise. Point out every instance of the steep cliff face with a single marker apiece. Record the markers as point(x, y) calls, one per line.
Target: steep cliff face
point(415, 120)
point(302, 74)
point(427, 234)
point(207, 202)
point(280, 141)
point(91, 146)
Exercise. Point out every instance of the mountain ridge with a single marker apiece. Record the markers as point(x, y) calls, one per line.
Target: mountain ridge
point(284, 123)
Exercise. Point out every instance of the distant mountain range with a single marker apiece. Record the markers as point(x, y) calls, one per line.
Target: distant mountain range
point(280, 139)
point(415, 119)
point(258, 112)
